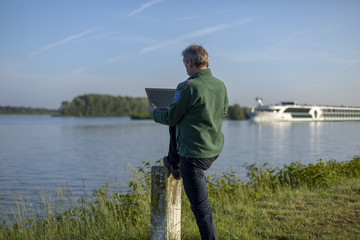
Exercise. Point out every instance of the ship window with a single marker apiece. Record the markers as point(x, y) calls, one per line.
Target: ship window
point(267, 110)
point(301, 116)
point(297, 110)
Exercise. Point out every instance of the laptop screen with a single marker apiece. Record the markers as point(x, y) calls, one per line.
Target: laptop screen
point(161, 97)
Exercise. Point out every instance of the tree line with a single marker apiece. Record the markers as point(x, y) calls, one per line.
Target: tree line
point(9, 110)
point(97, 105)
point(100, 105)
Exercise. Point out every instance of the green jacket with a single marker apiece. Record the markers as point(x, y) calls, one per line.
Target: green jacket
point(198, 110)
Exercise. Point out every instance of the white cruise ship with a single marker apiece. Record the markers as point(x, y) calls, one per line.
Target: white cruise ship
point(291, 111)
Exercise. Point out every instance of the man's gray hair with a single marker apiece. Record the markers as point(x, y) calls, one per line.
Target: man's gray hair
point(197, 54)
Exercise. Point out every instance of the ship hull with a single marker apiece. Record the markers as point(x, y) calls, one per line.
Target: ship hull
point(303, 113)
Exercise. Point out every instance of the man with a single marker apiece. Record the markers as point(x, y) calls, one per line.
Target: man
point(198, 110)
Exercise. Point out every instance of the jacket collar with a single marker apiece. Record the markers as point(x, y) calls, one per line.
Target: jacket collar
point(200, 73)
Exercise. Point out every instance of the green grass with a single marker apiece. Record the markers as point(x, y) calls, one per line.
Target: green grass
point(315, 201)
point(331, 213)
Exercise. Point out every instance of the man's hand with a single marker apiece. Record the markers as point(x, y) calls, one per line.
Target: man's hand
point(151, 109)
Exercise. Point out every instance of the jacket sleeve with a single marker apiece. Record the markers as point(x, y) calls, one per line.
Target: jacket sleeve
point(175, 113)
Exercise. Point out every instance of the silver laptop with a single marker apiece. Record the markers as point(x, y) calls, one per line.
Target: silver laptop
point(161, 97)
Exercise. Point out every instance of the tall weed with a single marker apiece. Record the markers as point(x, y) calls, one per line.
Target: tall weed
point(320, 174)
point(107, 214)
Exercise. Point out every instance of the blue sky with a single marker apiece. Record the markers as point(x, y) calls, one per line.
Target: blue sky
point(52, 51)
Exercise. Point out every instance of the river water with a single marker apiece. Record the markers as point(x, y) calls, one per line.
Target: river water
point(47, 152)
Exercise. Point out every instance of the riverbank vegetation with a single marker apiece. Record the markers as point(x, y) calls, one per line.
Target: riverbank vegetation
point(97, 105)
point(235, 112)
point(100, 105)
point(141, 116)
point(297, 201)
point(9, 110)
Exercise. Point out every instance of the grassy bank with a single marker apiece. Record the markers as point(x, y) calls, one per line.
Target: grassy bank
point(315, 201)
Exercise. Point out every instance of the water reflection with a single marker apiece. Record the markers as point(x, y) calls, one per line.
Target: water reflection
point(285, 142)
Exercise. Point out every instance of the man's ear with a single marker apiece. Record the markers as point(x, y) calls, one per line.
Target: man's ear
point(191, 63)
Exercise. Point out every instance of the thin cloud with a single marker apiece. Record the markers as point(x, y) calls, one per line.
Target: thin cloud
point(349, 64)
point(61, 42)
point(199, 33)
point(143, 7)
point(186, 18)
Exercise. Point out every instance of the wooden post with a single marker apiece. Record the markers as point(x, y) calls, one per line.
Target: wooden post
point(165, 205)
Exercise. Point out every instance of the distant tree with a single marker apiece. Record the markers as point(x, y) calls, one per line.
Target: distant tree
point(64, 107)
point(235, 112)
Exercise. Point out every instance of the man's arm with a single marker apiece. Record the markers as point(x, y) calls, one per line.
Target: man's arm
point(160, 116)
point(175, 112)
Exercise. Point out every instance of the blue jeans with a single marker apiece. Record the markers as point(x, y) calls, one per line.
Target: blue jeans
point(173, 156)
point(194, 181)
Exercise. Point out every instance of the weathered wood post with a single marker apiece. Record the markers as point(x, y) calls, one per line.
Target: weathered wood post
point(165, 205)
